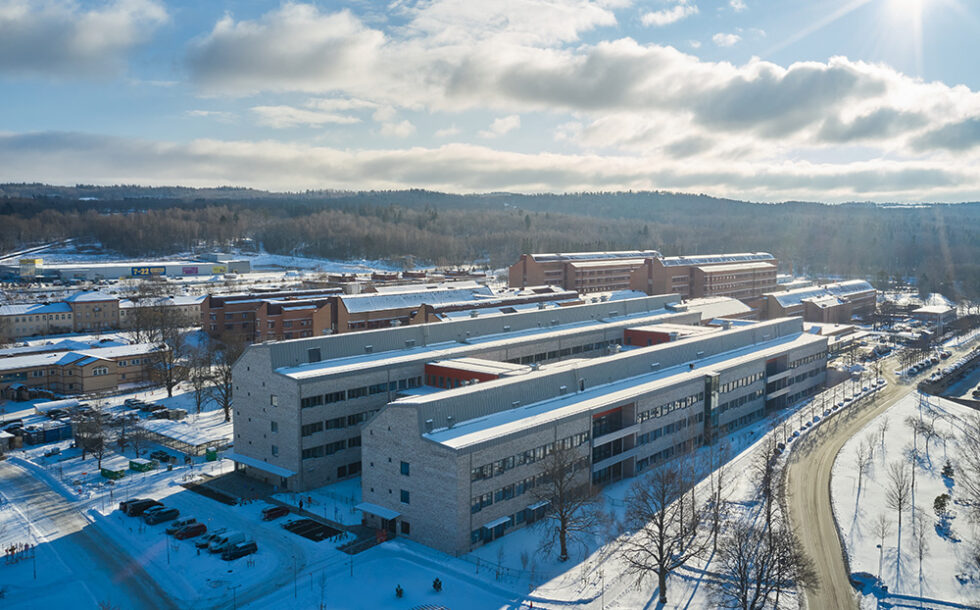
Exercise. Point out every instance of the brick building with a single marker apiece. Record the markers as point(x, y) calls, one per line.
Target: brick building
point(828, 304)
point(78, 371)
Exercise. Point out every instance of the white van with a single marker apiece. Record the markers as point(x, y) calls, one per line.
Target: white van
point(225, 541)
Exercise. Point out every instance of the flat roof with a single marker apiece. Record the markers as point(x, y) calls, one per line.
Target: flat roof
point(606, 263)
point(361, 303)
point(585, 256)
point(933, 309)
point(503, 423)
point(735, 267)
point(681, 329)
point(479, 365)
point(448, 350)
point(715, 259)
point(841, 289)
point(259, 464)
point(85, 356)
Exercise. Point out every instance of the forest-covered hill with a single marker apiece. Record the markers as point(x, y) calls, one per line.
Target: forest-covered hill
point(937, 244)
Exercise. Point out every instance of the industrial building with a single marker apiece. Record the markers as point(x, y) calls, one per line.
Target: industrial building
point(31, 269)
point(300, 404)
point(457, 466)
point(743, 276)
point(827, 304)
point(939, 316)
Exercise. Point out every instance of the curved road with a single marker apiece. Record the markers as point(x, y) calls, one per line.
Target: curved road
point(104, 569)
point(808, 492)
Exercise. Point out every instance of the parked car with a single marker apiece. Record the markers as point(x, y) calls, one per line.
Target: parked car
point(190, 531)
point(239, 550)
point(129, 402)
point(161, 456)
point(204, 541)
point(179, 524)
point(52, 452)
point(160, 516)
point(137, 507)
point(270, 513)
point(219, 544)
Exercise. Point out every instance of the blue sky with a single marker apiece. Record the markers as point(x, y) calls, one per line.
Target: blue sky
point(831, 100)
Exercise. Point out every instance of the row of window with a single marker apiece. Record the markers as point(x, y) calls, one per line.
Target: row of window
point(336, 423)
point(740, 382)
point(331, 448)
point(49, 316)
point(737, 402)
point(652, 435)
point(351, 394)
point(664, 409)
point(808, 359)
point(665, 454)
point(526, 515)
point(488, 471)
point(514, 490)
point(568, 351)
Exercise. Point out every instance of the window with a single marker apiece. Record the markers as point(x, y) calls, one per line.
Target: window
point(274, 426)
point(405, 497)
point(406, 528)
point(313, 428)
point(102, 370)
point(405, 468)
point(273, 400)
point(275, 450)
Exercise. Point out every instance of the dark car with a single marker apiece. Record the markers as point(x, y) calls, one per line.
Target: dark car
point(160, 516)
point(160, 455)
point(270, 513)
point(240, 550)
point(137, 507)
point(180, 524)
point(190, 531)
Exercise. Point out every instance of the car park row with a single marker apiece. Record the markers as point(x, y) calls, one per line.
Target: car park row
point(230, 545)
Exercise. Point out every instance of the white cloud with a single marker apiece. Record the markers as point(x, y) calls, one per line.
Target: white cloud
point(737, 5)
point(501, 126)
point(283, 117)
point(219, 115)
point(695, 44)
point(60, 38)
point(726, 40)
point(447, 132)
point(402, 129)
point(666, 16)
point(294, 48)
point(67, 158)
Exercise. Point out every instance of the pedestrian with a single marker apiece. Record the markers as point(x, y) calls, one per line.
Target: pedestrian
point(301, 503)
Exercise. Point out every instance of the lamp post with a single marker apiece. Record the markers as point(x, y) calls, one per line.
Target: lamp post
point(294, 577)
point(234, 597)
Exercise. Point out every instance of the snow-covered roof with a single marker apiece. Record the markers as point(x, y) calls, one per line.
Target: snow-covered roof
point(88, 297)
point(279, 471)
point(479, 365)
point(606, 263)
point(790, 298)
point(79, 357)
point(502, 423)
point(716, 259)
point(735, 267)
point(936, 309)
point(717, 307)
point(587, 256)
point(58, 346)
point(23, 309)
point(361, 303)
point(168, 301)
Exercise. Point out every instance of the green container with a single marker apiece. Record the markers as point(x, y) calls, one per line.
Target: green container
point(211, 455)
point(142, 465)
point(113, 474)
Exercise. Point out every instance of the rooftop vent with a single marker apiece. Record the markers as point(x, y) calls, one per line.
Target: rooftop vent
point(507, 328)
point(409, 342)
point(474, 313)
point(515, 404)
point(429, 425)
point(700, 354)
point(450, 421)
point(562, 389)
point(654, 366)
point(368, 349)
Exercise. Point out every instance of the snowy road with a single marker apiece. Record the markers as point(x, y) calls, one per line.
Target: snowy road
point(102, 569)
point(808, 492)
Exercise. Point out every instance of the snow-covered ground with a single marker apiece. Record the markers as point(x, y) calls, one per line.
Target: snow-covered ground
point(335, 502)
point(944, 573)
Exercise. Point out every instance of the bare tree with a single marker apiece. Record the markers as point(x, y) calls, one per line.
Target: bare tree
point(169, 366)
point(92, 432)
point(666, 536)
point(898, 496)
point(718, 457)
point(764, 467)
point(882, 429)
point(223, 358)
point(865, 457)
point(969, 465)
point(757, 566)
point(143, 319)
point(199, 376)
point(575, 507)
point(920, 538)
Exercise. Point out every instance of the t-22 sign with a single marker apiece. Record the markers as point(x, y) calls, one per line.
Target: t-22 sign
point(144, 271)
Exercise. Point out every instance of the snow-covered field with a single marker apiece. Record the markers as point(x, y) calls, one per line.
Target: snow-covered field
point(860, 502)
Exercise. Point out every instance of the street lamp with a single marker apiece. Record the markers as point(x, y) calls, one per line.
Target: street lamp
point(294, 577)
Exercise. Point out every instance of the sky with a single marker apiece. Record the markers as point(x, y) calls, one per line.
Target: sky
point(763, 100)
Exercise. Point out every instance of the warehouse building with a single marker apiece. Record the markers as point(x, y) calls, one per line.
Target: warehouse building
point(457, 467)
point(35, 268)
point(300, 405)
